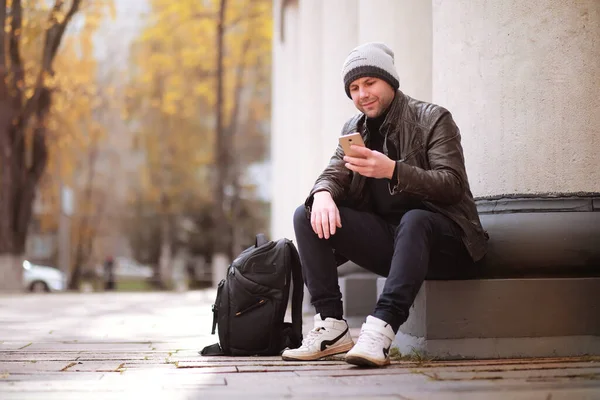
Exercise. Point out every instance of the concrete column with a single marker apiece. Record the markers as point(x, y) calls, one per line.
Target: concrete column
point(296, 109)
point(405, 26)
point(522, 80)
point(284, 106)
point(309, 116)
point(339, 36)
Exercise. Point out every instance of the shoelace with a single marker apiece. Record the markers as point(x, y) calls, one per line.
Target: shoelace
point(311, 337)
point(370, 339)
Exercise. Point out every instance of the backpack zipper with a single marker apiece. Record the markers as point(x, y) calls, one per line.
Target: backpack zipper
point(252, 307)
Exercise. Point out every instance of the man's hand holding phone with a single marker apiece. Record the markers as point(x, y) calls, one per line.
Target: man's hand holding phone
point(325, 215)
point(365, 161)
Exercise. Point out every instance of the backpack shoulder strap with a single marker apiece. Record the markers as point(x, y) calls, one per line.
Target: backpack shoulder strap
point(297, 294)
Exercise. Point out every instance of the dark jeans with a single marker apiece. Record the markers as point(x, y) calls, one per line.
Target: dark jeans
point(423, 245)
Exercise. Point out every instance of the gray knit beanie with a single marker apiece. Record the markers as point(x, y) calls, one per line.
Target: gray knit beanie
point(370, 59)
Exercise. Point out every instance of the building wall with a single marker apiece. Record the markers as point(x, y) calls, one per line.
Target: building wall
point(521, 79)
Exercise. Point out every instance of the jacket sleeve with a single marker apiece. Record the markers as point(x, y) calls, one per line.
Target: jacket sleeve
point(445, 181)
point(336, 177)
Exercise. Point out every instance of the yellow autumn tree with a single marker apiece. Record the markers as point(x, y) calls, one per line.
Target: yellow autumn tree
point(77, 124)
point(29, 45)
point(199, 98)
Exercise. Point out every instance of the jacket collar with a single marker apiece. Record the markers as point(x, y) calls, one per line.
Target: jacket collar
point(390, 123)
point(395, 109)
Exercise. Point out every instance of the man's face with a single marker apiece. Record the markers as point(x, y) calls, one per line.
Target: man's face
point(372, 96)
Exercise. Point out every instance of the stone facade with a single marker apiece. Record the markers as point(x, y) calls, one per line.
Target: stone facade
point(520, 78)
point(522, 81)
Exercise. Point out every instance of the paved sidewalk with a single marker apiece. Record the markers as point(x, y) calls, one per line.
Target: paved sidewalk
point(144, 345)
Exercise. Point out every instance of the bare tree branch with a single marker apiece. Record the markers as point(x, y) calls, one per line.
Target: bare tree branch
point(2, 38)
point(221, 153)
point(233, 23)
point(55, 33)
point(204, 15)
point(14, 51)
point(238, 86)
point(232, 131)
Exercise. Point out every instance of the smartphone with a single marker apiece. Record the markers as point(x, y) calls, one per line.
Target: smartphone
point(348, 140)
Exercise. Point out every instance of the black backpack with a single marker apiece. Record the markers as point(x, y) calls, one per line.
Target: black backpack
point(252, 300)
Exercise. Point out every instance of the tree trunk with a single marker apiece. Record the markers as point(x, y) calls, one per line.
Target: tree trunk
point(166, 256)
point(19, 174)
point(11, 272)
point(221, 142)
point(84, 237)
point(233, 130)
point(6, 198)
point(18, 183)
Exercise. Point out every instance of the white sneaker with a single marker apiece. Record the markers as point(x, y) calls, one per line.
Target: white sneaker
point(327, 338)
point(372, 348)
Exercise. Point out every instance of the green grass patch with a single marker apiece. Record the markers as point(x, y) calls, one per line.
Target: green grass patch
point(134, 286)
point(415, 356)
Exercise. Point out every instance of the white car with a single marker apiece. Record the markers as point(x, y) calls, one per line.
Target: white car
point(40, 278)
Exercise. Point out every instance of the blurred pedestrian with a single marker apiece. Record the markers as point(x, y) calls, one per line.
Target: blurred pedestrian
point(109, 274)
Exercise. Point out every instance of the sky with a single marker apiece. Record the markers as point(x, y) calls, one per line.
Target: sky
point(115, 35)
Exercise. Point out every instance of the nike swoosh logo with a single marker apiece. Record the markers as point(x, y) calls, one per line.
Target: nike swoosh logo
point(386, 351)
point(326, 343)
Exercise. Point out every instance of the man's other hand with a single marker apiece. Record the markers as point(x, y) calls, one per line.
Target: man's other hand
point(370, 163)
point(324, 216)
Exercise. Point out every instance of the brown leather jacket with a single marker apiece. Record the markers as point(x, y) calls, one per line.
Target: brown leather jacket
point(431, 167)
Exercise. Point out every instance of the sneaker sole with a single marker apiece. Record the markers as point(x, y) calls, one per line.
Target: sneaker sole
point(327, 352)
point(364, 361)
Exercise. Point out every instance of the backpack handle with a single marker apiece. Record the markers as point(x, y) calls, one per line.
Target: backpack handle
point(260, 240)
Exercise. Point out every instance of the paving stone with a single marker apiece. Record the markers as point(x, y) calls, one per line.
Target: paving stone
point(524, 367)
point(324, 369)
point(566, 361)
point(529, 375)
point(203, 370)
point(148, 363)
point(211, 359)
point(193, 346)
point(78, 346)
point(170, 377)
point(95, 366)
point(136, 332)
point(6, 345)
point(33, 356)
point(520, 394)
point(139, 386)
point(354, 371)
point(50, 376)
point(33, 367)
point(126, 356)
point(162, 367)
point(191, 363)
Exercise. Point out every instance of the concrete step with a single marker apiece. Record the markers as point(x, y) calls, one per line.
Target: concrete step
point(499, 318)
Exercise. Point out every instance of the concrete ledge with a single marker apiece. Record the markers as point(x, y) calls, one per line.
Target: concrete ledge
point(359, 294)
point(479, 348)
point(504, 318)
point(543, 235)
